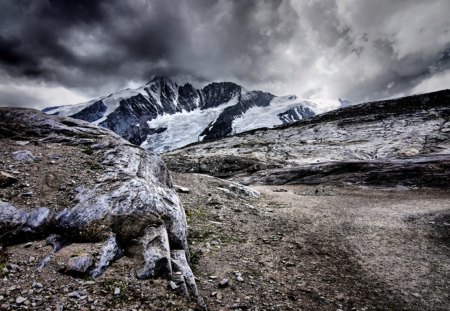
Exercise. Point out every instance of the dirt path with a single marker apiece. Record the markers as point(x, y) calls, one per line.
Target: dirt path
point(348, 249)
point(386, 248)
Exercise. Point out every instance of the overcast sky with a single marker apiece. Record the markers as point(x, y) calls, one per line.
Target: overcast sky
point(55, 52)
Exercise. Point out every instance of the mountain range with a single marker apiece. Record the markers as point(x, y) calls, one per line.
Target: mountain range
point(162, 115)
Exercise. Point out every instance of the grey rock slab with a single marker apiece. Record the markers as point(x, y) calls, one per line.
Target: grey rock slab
point(23, 156)
point(133, 199)
point(80, 264)
point(156, 251)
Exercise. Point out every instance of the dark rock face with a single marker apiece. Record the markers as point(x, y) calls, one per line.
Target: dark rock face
point(216, 94)
point(129, 120)
point(189, 97)
point(296, 114)
point(92, 112)
point(403, 141)
point(131, 207)
point(222, 127)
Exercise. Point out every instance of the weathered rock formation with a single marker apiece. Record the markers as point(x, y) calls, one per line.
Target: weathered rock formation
point(130, 206)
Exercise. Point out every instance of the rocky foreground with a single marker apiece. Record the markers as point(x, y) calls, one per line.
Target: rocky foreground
point(69, 182)
point(289, 248)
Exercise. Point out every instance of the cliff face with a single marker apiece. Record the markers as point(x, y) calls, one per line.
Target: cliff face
point(69, 181)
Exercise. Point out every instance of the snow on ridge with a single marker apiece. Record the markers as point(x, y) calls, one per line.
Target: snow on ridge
point(259, 117)
point(182, 128)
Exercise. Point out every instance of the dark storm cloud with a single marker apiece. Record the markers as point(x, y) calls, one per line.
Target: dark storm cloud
point(359, 49)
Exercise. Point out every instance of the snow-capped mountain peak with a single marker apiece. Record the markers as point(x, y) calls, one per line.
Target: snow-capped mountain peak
point(162, 115)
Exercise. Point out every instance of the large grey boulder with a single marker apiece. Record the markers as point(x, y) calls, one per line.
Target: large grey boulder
point(132, 205)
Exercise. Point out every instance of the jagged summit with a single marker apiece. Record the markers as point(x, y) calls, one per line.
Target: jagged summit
point(162, 115)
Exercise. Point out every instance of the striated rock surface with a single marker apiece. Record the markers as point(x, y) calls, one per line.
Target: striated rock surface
point(404, 141)
point(122, 195)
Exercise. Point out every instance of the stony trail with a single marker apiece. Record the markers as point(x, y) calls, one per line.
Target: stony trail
point(385, 247)
point(323, 248)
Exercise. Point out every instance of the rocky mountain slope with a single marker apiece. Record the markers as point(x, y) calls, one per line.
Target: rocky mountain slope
point(404, 141)
point(162, 115)
point(72, 182)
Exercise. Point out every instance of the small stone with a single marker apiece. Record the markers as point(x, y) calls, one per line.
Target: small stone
point(117, 291)
point(20, 300)
point(23, 155)
point(224, 283)
point(37, 285)
point(213, 277)
point(27, 194)
point(172, 285)
point(26, 245)
point(13, 267)
point(74, 294)
point(6, 179)
point(22, 142)
point(181, 189)
point(219, 296)
point(239, 278)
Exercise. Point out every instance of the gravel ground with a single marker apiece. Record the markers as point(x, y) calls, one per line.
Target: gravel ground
point(295, 248)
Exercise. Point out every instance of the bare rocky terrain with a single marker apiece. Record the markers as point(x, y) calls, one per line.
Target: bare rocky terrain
point(291, 248)
point(347, 211)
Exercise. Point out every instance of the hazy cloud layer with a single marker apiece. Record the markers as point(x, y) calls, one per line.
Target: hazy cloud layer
point(59, 52)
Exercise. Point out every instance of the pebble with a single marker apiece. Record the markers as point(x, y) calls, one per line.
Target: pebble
point(181, 189)
point(224, 283)
point(74, 295)
point(172, 285)
point(37, 285)
point(117, 291)
point(20, 300)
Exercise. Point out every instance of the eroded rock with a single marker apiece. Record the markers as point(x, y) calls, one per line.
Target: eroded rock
point(131, 208)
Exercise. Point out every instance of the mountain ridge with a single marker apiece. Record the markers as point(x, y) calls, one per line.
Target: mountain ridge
point(405, 141)
point(160, 114)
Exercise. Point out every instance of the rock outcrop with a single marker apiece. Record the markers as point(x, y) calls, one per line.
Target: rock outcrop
point(404, 141)
point(129, 203)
